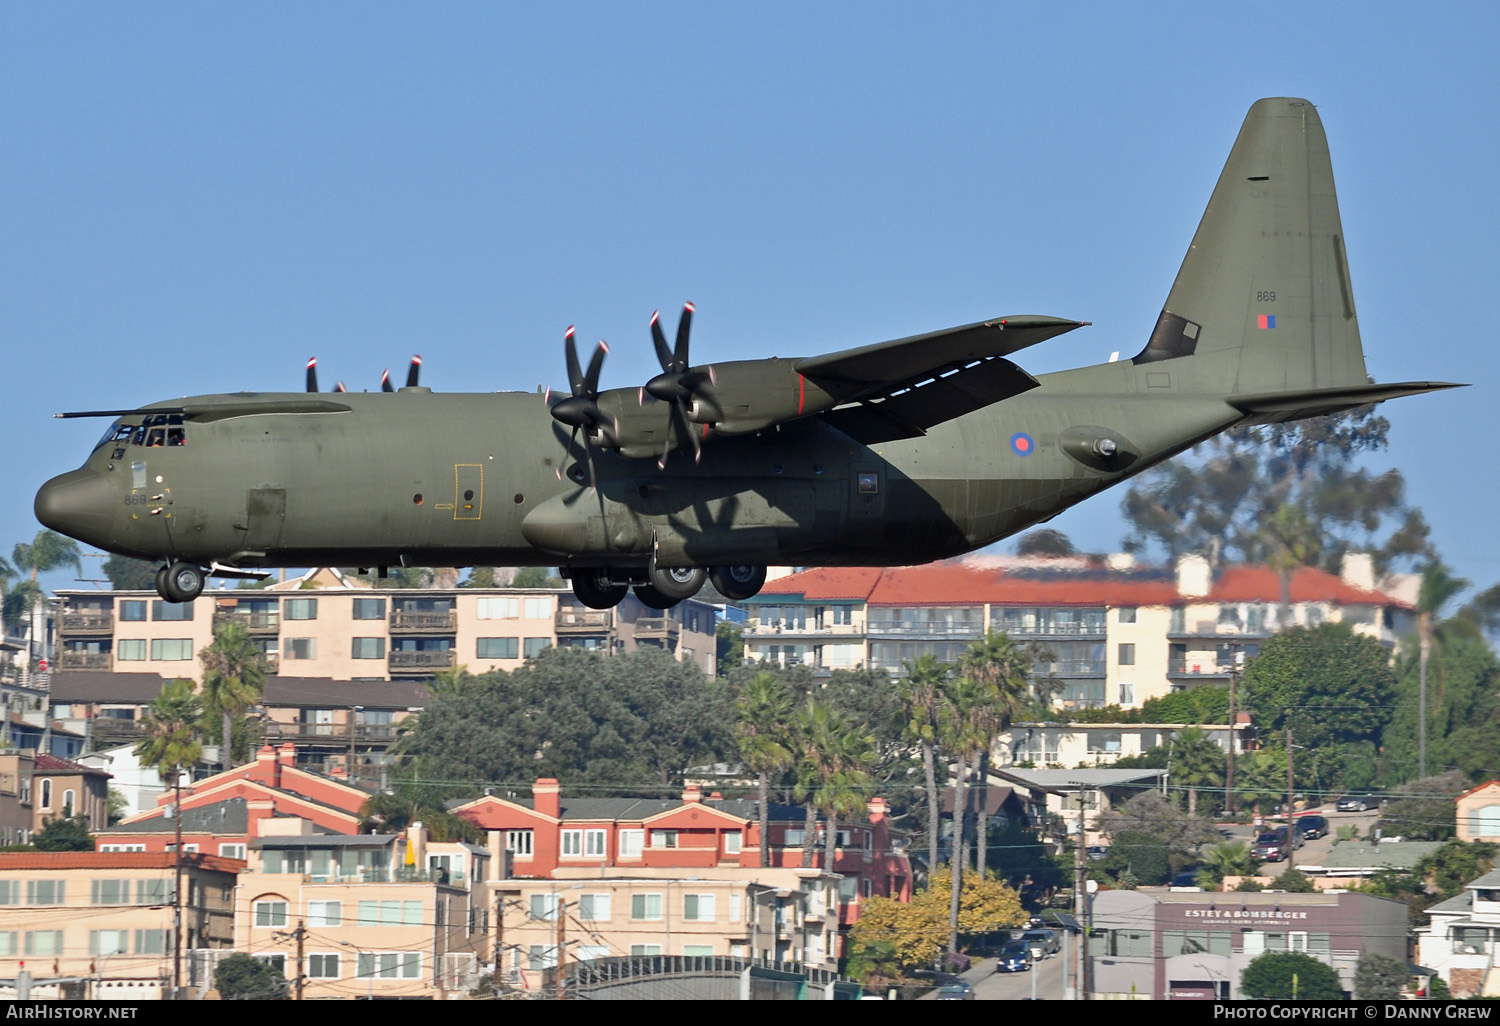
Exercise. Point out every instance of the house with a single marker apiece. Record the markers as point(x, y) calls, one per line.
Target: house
point(1462, 938)
point(105, 919)
point(1077, 798)
point(1479, 813)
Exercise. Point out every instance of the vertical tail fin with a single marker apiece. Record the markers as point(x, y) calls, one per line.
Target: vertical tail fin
point(1263, 301)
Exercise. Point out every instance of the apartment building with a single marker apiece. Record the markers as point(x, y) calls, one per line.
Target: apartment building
point(772, 915)
point(548, 836)
point(373, 915)
point(36, 787)
point(105, 920)
point(1102, 744)
point(1111, 632)
point(328, 625)
point(1461, 939)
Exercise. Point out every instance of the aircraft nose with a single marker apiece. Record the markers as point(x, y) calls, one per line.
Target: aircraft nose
point(80, 504)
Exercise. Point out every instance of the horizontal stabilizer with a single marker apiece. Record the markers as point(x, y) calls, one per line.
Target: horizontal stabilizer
point(1279, 407)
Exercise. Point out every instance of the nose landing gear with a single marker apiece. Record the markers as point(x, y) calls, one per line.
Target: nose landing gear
point(180, 582)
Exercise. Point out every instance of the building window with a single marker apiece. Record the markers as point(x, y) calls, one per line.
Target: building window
point(270, 914)
point(369, 609)
point(630, 843)
point(698, 908)
point(572, 844)
point(390, 913)
point(534, 647)
point(1127, 614)
point(108, 942)
point(68, 799)
point(645, 906)
point(536, 609)
point(232, 851)
point(171, 610)
point(130, 650)
point(1127, 694)
point(593, 843)
point(644, 950)
point(664, 838)
point(276, 961)
point(497, 609)
point(544, 907)
point(109, 892)
point(151, 942)
point(299, 648)
point(172, 649)
point(698, 950)
point(733, 841)
point(593, 908)
point(46, 794)
point(44, 942)
point(8, 945)
point(325, 913)
point(497, 648)
point(541, 956)
point(133, 610)
point(323, 967)
point(1127, 654)
point(152, 892)
point(301, 609)
point(368, 648)
point(1129, 943)
point(518, 843)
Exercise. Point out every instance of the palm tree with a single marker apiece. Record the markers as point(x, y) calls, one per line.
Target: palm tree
point(811, 735)
point(762, 713)
point(1196, 762)
point(923, 693)
point(1260, 777)
point(1437, 587)
point(47, 551)
point(845, 786)
point(969, 726)
point(171, 745)
point(413, 798)
point(1230, 858)
point(1004, 668)
point(234, 678)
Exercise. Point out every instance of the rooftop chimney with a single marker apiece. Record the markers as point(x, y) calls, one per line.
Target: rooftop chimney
point(548, 796)
point(692, 794)
point(1194, 577)
point(1358, 571)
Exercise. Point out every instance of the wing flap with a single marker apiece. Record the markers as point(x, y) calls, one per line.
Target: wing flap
point(911, 411)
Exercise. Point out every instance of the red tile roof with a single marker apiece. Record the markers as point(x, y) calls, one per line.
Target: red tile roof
point(956, 584)
point(47, 763)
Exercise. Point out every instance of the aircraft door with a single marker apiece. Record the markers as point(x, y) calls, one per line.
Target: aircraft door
point(265, 513)
point(866, 495)
point(468, 491)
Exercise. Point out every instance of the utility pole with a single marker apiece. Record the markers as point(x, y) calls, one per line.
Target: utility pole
point(562, 923)
point(301, 976)
point(177, 887)
point(1291, 822)
point(1229, 776)
point(1080, 892)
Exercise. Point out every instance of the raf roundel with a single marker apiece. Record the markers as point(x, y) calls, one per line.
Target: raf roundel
point(1021, 442)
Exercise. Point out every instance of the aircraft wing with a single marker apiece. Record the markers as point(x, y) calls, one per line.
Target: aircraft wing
point(901, 388)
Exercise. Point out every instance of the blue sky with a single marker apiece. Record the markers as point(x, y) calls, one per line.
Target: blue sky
point(197, 198)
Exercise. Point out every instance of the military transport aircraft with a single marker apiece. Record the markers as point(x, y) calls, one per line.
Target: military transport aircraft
point(894, 453)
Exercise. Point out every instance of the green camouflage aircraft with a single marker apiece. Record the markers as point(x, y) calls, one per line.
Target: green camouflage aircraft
point(895, 453)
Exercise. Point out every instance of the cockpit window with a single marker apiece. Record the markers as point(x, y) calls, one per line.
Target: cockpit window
point(158, 429)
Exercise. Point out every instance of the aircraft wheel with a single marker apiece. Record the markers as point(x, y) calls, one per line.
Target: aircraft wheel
point(161, 580)
point(182, 582)
point(591, 590)
point(653, 599)
point(738, 583)
point(676, 583)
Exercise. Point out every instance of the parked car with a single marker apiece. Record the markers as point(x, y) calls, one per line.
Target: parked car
point(1358, 803)
point(1098, 851)
point(1014, 957)
point(1186, 878)
point(959, 991)
point(1271, 846)
point(1042, 942)
point(1312, 827)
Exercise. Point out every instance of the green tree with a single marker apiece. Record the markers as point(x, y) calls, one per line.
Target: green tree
point(1463, 712)
point(1379, 977)
point(1003, 668)
point(1290, 975)
point(64, 834)
point(480, 577)
point(923, 693)
point(239, 977)
point(126, 574)
point(412, 797)
point(1144, 856)
point(1045, 541)
point(1196, 761)
point(1423, 810)
point(1293, 881)
point(1164, 822)
point(1437, 588)
point(1229, 858)
point(234, 678)
point(763, 711)
point(1334, 685)
point(46, 552)
point(535, 577)
point(729, 646)
point(1196, 705)
point(170, 742)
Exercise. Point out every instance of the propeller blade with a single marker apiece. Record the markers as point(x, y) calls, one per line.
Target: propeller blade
point(591, 377)
point(684, 326)
point(575, 372)
point(340, 387)
point(663, 354)
point(385, 381)
point(312, 374)
point(415, 372)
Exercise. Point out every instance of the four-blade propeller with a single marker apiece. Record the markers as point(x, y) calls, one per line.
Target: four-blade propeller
point(678, 382)
point(581, 409)
point(412, 376)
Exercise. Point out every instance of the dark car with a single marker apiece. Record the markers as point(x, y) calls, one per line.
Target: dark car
point(1043, 943)
point(1312, 827)
point(959, 991)
point(1271, 846)
point(1186, 878)
point(1014, 957)
point(1357, 803)
point(1098, 851)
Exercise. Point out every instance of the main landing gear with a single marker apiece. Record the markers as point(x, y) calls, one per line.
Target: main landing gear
point(663, 587)
point(180, 582)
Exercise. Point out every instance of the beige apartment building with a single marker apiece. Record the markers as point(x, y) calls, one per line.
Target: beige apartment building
point(328, 625)
point(1112, 632)
point(105, 919)
point(772, 915)
point(373, 915)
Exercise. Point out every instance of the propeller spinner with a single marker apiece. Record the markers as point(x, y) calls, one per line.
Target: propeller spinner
point(581, 409)
point(678, 382)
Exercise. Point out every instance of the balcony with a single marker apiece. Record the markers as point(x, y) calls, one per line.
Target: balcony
point(1071, 668)
point(1078, 631)
point(83, 660)
point(87, 623)
point(1202, 669)
point(584, 621)
point(259, 622)
point(657, 627)
point(108, 730)
point(420, 662)
point(424, 621)
point(335, 733)
point(1212, 630)
point(924, 629)
point(766, 628)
